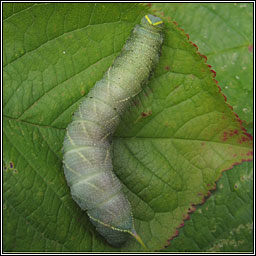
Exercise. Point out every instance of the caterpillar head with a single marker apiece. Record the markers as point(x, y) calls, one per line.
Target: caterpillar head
point(152, 22)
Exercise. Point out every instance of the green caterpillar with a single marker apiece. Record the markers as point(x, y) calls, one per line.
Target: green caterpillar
point(87, 145)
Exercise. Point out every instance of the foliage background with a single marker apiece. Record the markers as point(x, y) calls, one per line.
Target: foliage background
point(223, 33)
point(54, 53)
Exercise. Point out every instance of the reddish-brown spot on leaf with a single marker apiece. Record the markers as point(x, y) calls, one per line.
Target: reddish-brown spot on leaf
point(187, 217)
point(149, 4)
point(175, 23)
point(224, 96)
point(181, 225)
point(250, 153)
point(230, 107)
point(230, 133)
point(248, 135)
point(174, 235)
point(187, 35)
point(194, 45)
point(145, 114)
point(224, 136)
point(167, 68)
point(239, 120)
point(82, 92)
point(245, 138)
point(214, 73)
point(203, 56)
point(250, 48)
point(202, 143)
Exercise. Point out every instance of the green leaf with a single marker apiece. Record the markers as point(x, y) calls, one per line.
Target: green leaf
point(224, 33)
point(213, 226)
point(220, 18)
point(169, 149)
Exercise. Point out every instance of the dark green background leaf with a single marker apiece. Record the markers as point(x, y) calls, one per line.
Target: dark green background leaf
point(225, 222)
point(224, 33)
point(169, 150)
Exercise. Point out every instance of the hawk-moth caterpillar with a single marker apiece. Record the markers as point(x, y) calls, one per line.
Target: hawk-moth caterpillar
point(87, 145)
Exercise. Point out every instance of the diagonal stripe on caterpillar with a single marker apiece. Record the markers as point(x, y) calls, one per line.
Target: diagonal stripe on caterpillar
point(87, 156)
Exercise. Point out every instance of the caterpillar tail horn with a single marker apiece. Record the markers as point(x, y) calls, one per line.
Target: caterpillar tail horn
point(138, 238)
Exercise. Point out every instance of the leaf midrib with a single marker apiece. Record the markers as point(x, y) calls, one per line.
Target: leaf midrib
point(131, 137)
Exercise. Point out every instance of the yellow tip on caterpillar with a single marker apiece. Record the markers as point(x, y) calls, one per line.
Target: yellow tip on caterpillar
point(138, 238)
point(157, 23)
point(154, 24)
point(148, 19)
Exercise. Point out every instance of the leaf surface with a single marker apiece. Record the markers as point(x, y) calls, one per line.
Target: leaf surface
point(225, 222)
point(224, 33)
point(169, 149)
